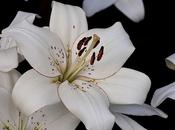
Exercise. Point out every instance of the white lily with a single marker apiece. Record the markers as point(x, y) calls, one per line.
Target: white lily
point(80, 68)
point(8, 46)
point(51, 117)
point(133, 9)
point(162, 94)
point(167, 91)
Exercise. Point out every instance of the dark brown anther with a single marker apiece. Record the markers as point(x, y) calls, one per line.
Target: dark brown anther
point(80, 43)
point(87, 40)
point(81, 51)
point(100, 54)
point(96, 44)
point(92, 59)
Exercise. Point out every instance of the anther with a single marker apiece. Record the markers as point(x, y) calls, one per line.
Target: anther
point(80, 43)
point(81, 51)
point(100, 54)
point(87, 40)
point(92, 59)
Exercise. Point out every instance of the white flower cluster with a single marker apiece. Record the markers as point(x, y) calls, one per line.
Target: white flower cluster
point(77, 73)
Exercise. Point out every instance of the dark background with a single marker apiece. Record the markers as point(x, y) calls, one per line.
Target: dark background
point(153, 39)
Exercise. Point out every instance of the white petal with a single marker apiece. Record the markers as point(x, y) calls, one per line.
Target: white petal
point(117, 49)
point(67, 22)
point(8, 79)
point(126, 123)
point(88, 103)
point(8, 112)
point(9, 59)
point(127, 86)
point(162, 94)
point(53, 117)
point(66, 122)
point(7, 42)
point(94, 6)
point(41, 48)
point(138, 110)
point(20, 16)
point(133, 9)
point(170, 61)
point(35, 89)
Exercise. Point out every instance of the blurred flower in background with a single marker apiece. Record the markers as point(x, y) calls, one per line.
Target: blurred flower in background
point(167, 91)
point(133, 9)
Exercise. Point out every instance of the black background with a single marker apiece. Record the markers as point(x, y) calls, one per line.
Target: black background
point(153, 39)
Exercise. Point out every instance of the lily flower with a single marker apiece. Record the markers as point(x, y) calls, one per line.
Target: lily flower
point(50, 117)
point(167, 91)
point(162, 94)
point(78, 67)
point(133, 9)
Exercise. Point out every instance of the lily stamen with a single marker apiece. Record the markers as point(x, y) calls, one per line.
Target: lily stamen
point(81, 62)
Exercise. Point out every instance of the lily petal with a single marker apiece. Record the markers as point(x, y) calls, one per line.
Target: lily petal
point(94, 6)
point(132, 9)
point(126, 123)
point(162, 94)
point(41, 48)
point(53, 117)
point(35, 89)
point(138, 110)
point(8, 79)
point(68, 22)
point(127, 86)
point(116, 47)
point(89, 103)
point(9, 59)
point(8, 112)
point(8, 45)
point(170, 61)
point(20, 16)
point(66, 122)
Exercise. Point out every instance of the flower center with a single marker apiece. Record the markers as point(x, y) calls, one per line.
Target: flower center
point(86, 55)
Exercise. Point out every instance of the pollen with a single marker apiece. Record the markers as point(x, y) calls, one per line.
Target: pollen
point(92, 59)
point(100, 54)
point(87, 40)
point(80, 43)
point(81, 51)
